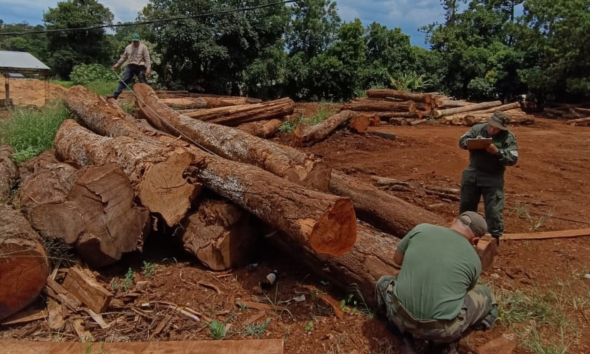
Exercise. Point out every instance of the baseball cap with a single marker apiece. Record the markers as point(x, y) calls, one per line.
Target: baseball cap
point(475, 222)
point(135, 37)
point(499, 120)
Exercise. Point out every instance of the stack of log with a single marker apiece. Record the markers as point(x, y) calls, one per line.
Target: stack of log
point(259, 118)
point(576, 115)
point(110, 182)
point(404, 108)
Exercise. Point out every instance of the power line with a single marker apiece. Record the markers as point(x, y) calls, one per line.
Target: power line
point(163, 20)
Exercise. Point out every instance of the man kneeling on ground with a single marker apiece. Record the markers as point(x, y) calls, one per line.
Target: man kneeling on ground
point(436, 297)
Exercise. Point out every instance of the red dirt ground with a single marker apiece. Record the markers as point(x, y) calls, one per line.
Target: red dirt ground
point(552, 170)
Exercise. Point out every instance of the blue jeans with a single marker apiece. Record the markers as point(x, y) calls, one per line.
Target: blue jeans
point(130, 71)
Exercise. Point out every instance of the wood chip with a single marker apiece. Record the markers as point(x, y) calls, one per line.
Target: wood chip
point(254, 318)
point(258, 306)
point(28, 315)
point(210, 286)
point(330, 301)
point(84, 286)
point(98, 319)
point(165, 321)
point(55, 318)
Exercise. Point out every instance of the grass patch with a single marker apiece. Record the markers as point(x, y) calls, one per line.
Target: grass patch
point(30, 131)
point(324, 111)
point(538, 318)
point(103, 88)
point(256, 330)
point(534, 223)
point(217, 330)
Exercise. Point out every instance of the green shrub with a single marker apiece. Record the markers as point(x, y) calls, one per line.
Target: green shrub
point(31, 131)
point(87, 73)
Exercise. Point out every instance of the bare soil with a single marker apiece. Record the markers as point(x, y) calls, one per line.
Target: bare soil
point(31, 92)
point(551, 176)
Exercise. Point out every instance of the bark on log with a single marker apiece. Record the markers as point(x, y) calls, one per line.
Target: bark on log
point(579, 120)
point(382, 106)
point(418, 122)
point(472, 119)
point(237, 145)
point(98, 217)
point(407, 96)
point(388, 115)
point(583, 111)
point(319, 222)
point(370, 258)
point(262, 129)
point(23, 263)
point(249, 100)
point(185, 103)
point(502, 108)
point(156, 171)
point(219, 234)
point(8, 172)
point(470, 108)
point(236, 115)
point(311, 135)
point(381, 209)
point(446, 103)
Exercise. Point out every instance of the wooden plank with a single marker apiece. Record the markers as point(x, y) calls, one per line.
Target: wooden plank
point(500, 345)
point(28, 315)
point(267, 346)
point(87, 290)
point(547, 235)
point(258, 306)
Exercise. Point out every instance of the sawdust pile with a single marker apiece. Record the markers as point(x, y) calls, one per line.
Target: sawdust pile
point(31, 92)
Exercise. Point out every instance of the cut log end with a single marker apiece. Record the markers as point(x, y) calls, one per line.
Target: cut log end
point(335, 232)
point(23, 263)
point(164, 191)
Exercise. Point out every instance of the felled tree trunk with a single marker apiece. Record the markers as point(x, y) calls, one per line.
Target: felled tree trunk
point(237, 145)
point(407, 96)
point(360, 123)
point(185, 103)
point(98, 217)
point(316, 133)
point(236, 115)
point(381, 106)
point(381, 209)
point(446, 103)
point(8, 172)
point(319, 222)
point(23, 263)
point(219, 234)
point(262, 129)
point(388, 115)
point(156, 171)
point(502, 108)
point(370, 259)
point(472, 119)
point(470, 108)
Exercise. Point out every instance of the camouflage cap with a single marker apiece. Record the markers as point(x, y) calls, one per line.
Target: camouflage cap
point(499, 120)
point(475, 222)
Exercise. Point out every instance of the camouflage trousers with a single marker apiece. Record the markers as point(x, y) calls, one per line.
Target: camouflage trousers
point(479, 312)
point(493, 199)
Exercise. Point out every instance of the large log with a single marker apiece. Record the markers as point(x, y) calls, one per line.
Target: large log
point(474, 107)
point(193, 103)
point(98, 217)
point(370, 258)
point(319, 221)
point(407, 96)
point(381, 106)
point(237, 145)
point(309, 135)
point(262, 129)
point(219, 234)
point(156, 171)
point(236, 115)
point(446, 103)
point(8, 172)
point(185, 103)
point(23, 263)
point(578, 121)
point(388, 115)
point(381, 209)
point(223, 97)
point(472, 119)
point(502, 108)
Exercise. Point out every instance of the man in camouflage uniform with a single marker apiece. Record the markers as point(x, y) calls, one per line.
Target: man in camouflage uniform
point(436, 297)
point(485, 174)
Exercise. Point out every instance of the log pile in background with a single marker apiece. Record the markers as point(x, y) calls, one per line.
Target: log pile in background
point(576, 115)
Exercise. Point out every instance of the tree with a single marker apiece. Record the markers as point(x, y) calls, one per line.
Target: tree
point(33, 43)
point(213, 52)
point(67, 49)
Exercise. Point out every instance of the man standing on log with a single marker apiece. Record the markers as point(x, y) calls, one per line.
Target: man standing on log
point(435, 297)
point(485, 173)
point(139, 64)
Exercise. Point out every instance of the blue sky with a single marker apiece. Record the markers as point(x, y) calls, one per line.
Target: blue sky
point(407, 14)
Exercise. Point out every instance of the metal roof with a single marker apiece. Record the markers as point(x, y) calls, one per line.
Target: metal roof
point(14, 76)
point(20, 61)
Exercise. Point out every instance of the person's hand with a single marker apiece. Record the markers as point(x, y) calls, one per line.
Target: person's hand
point(147, 73)
point(475, 240)
point(492, 149)
point(114, 68)
point(479, 137)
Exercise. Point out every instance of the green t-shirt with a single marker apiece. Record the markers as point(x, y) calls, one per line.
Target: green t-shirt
point(439, 267)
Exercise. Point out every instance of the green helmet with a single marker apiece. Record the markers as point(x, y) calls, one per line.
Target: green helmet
point(135, 37)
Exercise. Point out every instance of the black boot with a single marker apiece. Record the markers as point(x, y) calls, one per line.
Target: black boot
point(407, 345)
